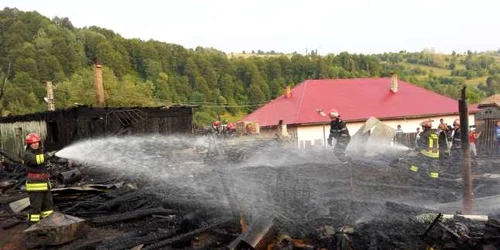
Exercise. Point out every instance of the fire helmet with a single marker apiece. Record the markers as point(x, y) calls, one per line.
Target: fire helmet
point(32, 138)
point(426, 123)
point(334, 113)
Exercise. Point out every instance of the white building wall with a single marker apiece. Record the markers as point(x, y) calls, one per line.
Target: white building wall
point(316, 135)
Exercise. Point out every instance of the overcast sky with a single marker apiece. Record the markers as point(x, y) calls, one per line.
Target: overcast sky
point(331, 26)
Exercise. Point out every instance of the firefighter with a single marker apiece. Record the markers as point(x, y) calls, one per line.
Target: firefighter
point(456, 146)
point(37, 179)
point(339, 131)
point(444, 153)
point(428, 146)
point(230, 129)
point(216, 127)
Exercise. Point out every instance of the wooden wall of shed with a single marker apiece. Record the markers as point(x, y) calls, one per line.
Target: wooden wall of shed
point(12, 135)
point(488, 112)
point(487, 143)
point(61, 128)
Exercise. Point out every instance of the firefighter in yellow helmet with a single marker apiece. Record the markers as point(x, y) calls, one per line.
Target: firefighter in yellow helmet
point(37, 179)
point(428, 146)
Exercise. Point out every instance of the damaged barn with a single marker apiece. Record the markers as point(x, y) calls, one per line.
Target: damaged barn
point(63, 127)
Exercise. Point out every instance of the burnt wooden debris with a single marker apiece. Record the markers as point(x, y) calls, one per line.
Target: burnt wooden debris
point(131, 215)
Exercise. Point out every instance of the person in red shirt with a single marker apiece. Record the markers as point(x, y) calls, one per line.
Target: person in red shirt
point(473, 135)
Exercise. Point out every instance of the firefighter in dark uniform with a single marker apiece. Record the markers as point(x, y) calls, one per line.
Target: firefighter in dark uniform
point(456, 146)
point(37, 179)
point(428, 146)
point(339, 131)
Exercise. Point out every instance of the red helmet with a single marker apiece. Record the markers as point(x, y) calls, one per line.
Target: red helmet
point(32, 138)
point(217, 123)
point(334, 113)
point(230, 126)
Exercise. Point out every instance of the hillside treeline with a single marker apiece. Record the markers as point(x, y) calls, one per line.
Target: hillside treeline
point(152, 73)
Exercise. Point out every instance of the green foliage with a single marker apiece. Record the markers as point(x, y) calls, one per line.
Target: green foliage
point(146, 73)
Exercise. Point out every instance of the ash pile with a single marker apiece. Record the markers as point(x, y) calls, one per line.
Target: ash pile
point(257, 194)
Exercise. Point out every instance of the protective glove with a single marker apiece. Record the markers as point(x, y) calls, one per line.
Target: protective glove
point(329, 141)
point(51, 153)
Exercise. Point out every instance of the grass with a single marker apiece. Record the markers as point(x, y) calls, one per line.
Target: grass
point(476, 81)
point(445, 72)
point(435, 70)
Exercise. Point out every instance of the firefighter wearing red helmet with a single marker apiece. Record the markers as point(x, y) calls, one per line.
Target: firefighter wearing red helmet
point(37, 179)
point(339, 132)
point(230, 128)
point(428, 157)
point(216, 127)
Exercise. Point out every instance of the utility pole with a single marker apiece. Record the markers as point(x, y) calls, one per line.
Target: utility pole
point(50, 97)
point(464, 127)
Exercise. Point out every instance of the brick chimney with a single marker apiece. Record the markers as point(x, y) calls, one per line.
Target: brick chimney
point(394, 82)
point(288, 92)
point(99, 89)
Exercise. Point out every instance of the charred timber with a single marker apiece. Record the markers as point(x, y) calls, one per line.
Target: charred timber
point(129, 242)
point(116, 201)
point(182, 237)
point(130, 215)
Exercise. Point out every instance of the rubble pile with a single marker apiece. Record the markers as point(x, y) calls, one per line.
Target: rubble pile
point(264, 202)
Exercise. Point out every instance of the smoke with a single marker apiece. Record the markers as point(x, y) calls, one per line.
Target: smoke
point(253, 177)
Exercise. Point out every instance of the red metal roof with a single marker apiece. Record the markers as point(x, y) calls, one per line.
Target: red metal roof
point(355, 100)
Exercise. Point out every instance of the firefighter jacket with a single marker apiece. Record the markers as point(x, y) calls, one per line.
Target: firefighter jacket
point(35, 163)
point(457, 139)
point(339, 131)
point(429, 143)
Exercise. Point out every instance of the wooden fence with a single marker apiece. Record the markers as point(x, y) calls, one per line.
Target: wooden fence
point(487, 143)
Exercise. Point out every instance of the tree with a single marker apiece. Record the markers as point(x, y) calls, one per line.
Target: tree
point(452, 66)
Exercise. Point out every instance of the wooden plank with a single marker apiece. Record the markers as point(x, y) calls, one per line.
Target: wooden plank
point(131, 215)
point(19, 205)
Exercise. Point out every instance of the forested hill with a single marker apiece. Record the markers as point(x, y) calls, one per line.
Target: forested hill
point(151, 73)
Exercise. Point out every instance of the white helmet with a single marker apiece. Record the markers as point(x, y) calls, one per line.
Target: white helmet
point(334, 113)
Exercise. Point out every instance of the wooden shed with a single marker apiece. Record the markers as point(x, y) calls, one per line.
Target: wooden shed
point(62, 127)
point(486, 121)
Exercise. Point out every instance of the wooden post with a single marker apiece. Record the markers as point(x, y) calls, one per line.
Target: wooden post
point(50, 96)
point(98, 84)
point(464, 127)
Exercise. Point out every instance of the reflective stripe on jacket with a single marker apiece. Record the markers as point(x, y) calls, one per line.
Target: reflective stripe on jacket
point(37, 186)
point(432, 149)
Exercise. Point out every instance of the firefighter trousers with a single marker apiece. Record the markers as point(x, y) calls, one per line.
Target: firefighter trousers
point(339, 149)
point(426, 166)
point(42, 205)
